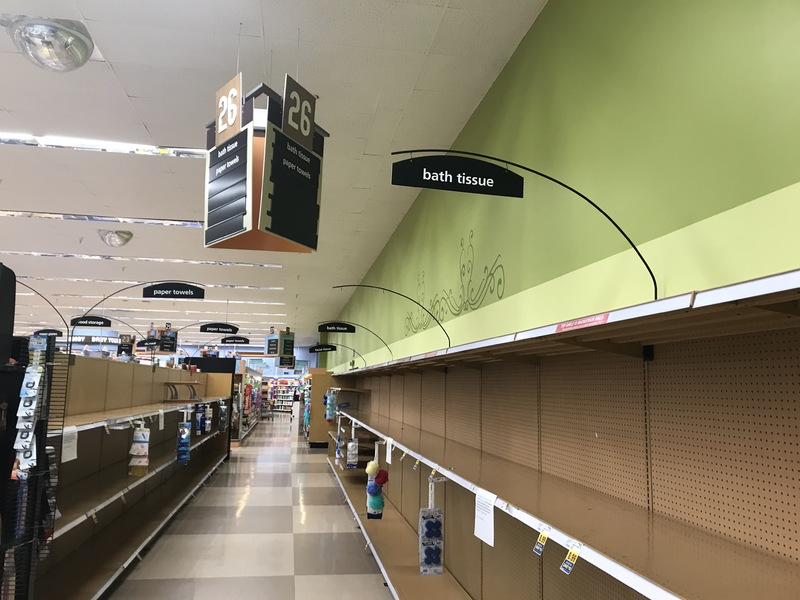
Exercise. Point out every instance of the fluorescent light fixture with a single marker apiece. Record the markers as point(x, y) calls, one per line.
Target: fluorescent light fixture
point(13, 137)
point(181, 261)
point(129, 282)
point(206, 300)
point(99, 219)
point(73, 143)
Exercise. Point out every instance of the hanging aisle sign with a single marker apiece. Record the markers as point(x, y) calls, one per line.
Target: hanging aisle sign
point(90, 321)
point(219, 328)
point(173, 290)
point(457, 174)
point(322, 348)
point(335, 327)
point(290, 197)
point(229, 188)
point(49, 332)
point(235, 339)
point(264, 171)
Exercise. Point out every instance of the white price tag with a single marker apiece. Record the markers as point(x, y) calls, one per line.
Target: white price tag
point(484, 516)
point(69, 444)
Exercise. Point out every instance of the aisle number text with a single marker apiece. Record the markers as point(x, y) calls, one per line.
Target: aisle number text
point(298, 113)
point(229, 110)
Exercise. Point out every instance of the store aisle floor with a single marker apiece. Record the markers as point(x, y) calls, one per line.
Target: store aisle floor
point(270, 524)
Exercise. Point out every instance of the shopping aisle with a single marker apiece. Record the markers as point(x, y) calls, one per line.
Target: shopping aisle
point(269, 524)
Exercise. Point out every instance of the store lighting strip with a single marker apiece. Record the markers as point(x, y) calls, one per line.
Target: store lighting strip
point(274, 289)
point(119, 309)
point(178, 261)
point(131, 282)
point(99, 219)
point(73, 143)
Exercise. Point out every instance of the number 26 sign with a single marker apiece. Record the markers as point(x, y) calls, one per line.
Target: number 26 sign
point(298, 113)
point(229, 110)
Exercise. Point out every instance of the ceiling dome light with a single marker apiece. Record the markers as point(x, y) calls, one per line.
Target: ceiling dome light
point(115, 239)
point(53, 44)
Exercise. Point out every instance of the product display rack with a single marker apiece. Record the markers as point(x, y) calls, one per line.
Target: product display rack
point(108, 517)
point(318, 381)
point(283, 392)
point(88, 505)
point(249, 406)
point(609, 436)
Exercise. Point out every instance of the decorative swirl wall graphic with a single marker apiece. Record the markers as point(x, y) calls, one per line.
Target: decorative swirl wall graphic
point(468, 295)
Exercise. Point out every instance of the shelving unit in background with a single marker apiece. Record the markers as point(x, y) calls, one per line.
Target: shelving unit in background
point(284, 390)
point(317, 382)
point(248, 403)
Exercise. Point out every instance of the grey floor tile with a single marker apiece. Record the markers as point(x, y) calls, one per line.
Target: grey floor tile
point(314, 480)
point(332, 554)
point(218, 555)
point(341, 587)
point(194, 520)
point(244, 496)
point(251, 479)
point(303, 467)
point(261, 467)
point(324, 519)
point(317, 496)
point(245, 588)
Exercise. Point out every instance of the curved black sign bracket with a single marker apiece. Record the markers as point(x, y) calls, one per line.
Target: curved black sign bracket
point(355, 351)
point(356, 325)
point(549, 178)
point(377, 287)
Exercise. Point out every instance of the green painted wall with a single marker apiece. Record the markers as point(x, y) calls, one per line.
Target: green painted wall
point(666, 113)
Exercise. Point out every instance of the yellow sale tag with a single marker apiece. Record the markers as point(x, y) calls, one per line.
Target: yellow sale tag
point(539, 547)
point(569, 562)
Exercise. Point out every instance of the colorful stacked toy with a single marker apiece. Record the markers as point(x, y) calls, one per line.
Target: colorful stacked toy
point(376, 479)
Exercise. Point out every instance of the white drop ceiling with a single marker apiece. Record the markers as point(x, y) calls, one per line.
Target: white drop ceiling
point(390, 75)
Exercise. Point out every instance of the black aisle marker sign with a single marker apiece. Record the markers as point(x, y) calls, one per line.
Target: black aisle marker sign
point(336, 327)
point(148, 343)
point(322, 348)
point(235, 339)
point(286, 362)
point(49, 332)
point(90, 321)
point(229, 188)
point(290, 193)
point(457, 174)
point(272, 346)
point(173, 290)
point(219, 328)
